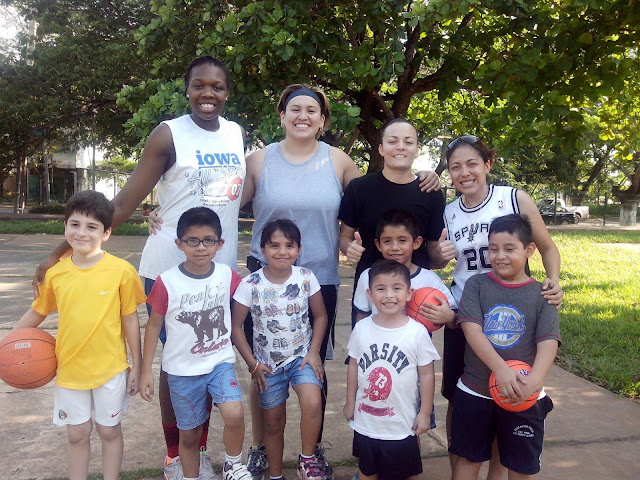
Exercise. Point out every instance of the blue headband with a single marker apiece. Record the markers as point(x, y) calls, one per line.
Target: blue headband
point(304, 92)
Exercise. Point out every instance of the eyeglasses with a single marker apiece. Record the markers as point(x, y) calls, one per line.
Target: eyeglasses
point(195, 242)
point(468, 139)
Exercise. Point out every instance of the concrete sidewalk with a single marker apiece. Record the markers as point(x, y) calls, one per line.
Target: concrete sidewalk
point(591, 433)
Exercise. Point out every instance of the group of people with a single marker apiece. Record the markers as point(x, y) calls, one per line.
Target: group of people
point(280, 317)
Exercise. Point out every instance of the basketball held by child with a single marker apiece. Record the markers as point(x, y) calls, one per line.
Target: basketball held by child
point(524, 370)
point(28, 358)
point(424, 296)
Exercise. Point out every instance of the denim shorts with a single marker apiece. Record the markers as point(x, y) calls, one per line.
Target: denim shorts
point(189, 394)
point(278, 384)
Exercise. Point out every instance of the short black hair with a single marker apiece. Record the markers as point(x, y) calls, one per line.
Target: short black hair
point(92, 204)
point(289, 229)
point(397, 217)
point(389, 267)
point(393, 122)
point(199, 216)
point(216, 62)
point(514, 224)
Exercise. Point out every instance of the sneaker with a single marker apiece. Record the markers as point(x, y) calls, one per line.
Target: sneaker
point(173, 469)
point(312, 469)
point(257, 462)
point(206, 469)
point(320, 455)
point(236, 471)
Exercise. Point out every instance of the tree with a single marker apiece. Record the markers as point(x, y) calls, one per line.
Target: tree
point(527, 62)
point(59, 87)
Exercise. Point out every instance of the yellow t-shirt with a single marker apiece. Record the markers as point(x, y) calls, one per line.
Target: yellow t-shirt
point(90, 346)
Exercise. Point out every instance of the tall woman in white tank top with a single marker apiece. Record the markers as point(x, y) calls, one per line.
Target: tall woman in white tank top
point(195, 160)
point(466, 239)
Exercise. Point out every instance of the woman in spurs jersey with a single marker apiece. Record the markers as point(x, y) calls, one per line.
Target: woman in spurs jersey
point(466, 239)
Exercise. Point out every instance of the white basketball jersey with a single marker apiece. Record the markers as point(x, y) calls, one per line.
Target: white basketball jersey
point(469, 231)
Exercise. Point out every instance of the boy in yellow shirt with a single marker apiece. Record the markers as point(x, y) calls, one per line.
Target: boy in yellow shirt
point(96, 296)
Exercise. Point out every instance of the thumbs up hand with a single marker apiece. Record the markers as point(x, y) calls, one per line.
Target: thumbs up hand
point(354, 252)
point(445, 247)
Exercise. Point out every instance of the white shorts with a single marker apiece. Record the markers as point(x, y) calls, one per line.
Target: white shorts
point(108, 401)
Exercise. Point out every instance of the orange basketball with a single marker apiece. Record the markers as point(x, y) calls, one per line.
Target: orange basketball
point(421, 296)
point(28, 358)
point(524, 369)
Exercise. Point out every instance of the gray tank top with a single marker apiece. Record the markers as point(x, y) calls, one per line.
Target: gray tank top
point(309, 194)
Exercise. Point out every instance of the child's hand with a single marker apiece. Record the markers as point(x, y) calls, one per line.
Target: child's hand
point(446, 249)
point(314, 361)
point(259, 378)
point(438, 313)
point(133, 382)
point(355, 249)
point(146, 386)
point(509, 383)
point(422, 423)
point(348, 410)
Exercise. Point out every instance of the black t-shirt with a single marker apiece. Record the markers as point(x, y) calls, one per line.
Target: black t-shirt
point(366, 198)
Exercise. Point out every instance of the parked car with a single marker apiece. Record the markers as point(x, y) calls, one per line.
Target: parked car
point(562, 215)
point(582, 211)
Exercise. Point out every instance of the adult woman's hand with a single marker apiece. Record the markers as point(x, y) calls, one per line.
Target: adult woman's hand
point(429, 181)
point(155, 222)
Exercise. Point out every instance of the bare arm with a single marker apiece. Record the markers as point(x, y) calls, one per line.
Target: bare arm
point(238, 314)
point(254, 167)
point(131, 327)
point(31, 319)
point(157, 157)
point(151, 335)
point(345, 168)
point(551, 289)
point(320, 322)
point(352, 389)
point(427, 386)
point(545, 355)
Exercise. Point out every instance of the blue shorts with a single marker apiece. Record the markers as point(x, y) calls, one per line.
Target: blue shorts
point(189, 394)
point(278, 384)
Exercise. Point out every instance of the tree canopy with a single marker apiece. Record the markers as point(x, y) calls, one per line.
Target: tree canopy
point(546, 81)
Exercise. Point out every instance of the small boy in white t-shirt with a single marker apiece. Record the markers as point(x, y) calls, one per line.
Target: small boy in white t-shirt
point(287, 351)
point(390, 380)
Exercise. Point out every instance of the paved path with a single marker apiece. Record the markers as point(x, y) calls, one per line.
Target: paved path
point(591, 433)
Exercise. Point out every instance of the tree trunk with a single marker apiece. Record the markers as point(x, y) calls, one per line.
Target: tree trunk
point(628, 212)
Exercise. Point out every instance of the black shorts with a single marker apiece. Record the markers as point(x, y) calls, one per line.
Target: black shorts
point(452, 360)
point(389, 459)
point(476, 421)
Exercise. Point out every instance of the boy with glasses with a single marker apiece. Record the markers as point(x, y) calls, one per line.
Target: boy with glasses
point(194, 301)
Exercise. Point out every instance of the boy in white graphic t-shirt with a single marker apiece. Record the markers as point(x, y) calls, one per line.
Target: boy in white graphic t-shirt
point(390, 379)
point(193, 300)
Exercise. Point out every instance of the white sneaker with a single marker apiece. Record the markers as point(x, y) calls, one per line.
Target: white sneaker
point(236, 471)
point(173, 469)
point(206, 469)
